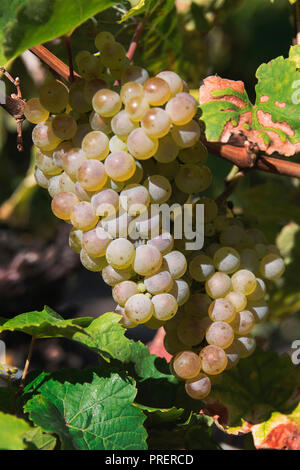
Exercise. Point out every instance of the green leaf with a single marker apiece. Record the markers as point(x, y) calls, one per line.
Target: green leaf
point(256, 387)
point(89, 410)
point(272, 123)
point(294, 54)
point(12, 431)
point(44, 324)
point(36, 439)
point(138, 9)
point(26, 23)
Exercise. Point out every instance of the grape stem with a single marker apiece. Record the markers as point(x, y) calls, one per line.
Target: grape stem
point(26, 367)
point(14, 105)
point(70, 60)
point(296, 16)
point(135, 41)
point(231, 182)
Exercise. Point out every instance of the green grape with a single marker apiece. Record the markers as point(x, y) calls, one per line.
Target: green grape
point(138, 175)
point(210, 208)
point(243, 322)
point(243, 281)
point(187, 135)
point(123, 291)
point(233, 355)
point(199, 387)
point(173, 80)
point(120, 166)
point(156, 123)
point(171, 342)
point(192, 178)
point(102, 38)
point(62, 205)
point(44, 138)
point(95, 242)
point(182, 108)
point(34, 111)
point(165, 306)
point(141, 145)
point(190, 330)
point(245, 346)
point(218, 285)
point(148, 260)
point(196, 154)
point(227, 260)
point(81, 55)
point(83, 216)
point(92, 264)
point(154, 324)
point(198, 304)
point(272, 266)
point(99, 123)
point(95, 144)
point(64, 126)
point(249, 260)
point(231, 235)
point(76, 97)
point(133, 73)
point(221, 222)
point(213, 360)
point(106, 102)
point(139, 308)
point(157, 91)
point(167, 150)
point(169, 171)
point(54, 96)
point(186, 365)
point(201, 267)
point(113, 55)
point(120, 253)
point(82, 131)
point(260, 310)
point(259, 292)
point(220, 333)
point(90, 67)
point(222, 310)
point(91, 87)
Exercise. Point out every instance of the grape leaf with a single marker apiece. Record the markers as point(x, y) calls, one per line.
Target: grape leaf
point(279, 432)
point(12, 431)
point(36, 439)
point(44, 324)
point(26, 23)
point(259, 385)
point(272, 124)
point(93, 413)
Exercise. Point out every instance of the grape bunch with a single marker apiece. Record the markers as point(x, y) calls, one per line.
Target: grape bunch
point(113, 147)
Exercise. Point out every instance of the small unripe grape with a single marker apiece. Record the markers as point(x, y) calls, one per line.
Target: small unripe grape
point(44, 137)
point(106, 202)
point(272, 266)
point(198, 387)
point(201, 267)
point(159, 188)
point(122, 125)
point(141, 145)
point(173, 80)
point(186, 365)
point(83, 216)
point(120, 253)
point(218, 285)
point(165, 306)
point(243, 322)
point(227, 260)
point(238, 299)
point(136, 108)
point(182, 108)
point(96, 241)
point(222, 310)
point(95, 145)
point(120, 166)
point(54, 96)
point(156, 122)
point(91, 175)
point(103, 38)
point(62, 205)
point(113, 55)
point(106, 102)
point(35, 112)
point(90, 67)
point(148, 260)
point(91, 87)
point(243, 281)
point(139, 308)
point(64, 126)
point(177, 264)
point(123, 291)
point(220, 333)
point(92, 264)
point(213, 360)
point(187, 135)
point(131, 90)
point(157, 91)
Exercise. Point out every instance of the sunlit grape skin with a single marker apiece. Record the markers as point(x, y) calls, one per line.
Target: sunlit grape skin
point(186, 365)
point(156, 122)
point(62, 205)
point(34, 111)
point(106, 102)
point(199, 387)
point(91, 175)
point(181, 108)
point(157, 91)
point(119, 166)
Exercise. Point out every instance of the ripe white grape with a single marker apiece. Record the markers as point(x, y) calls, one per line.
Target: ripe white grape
point(139, 308)
point(141, 145)
point(187, 135)
point(122, 125)
point(43, 136)
point(95, 144)
point(120, 253)
point(148, 260)
point(95, 242)
point(163, 242)
point(201, 267)
point(81, 193)
point(113, 276)
point(159, 188)
point(227, 260)
point(66, 184)
point(165, 306)
point(46, 164)
point(75, 238)
point(238, 299)
point(105, 202)
point(220, 333)
point(182, 108)
point(119, 166)
point(193, 178)
point(91, 175)
point(159, 282)
point(64, 126)
point(186, 365)
point(72, 160)
point(243, 322)
point(157, 91)
point(190, 330)
point(54, 185)
point(180, 291)
point(243, 281)
point(134, 199)
point(106, 102)
point(176, 263)
point(213, 359)
point(41, 179)
point(92, 264)
point(62, 205)
point(218, 285)
point(156, 123)
point(272, 266)
point(222, 310)
point(34, 111)
point(83, 216)
point(173, 80)
point(134, 73)
point(116, 226)
point(123, 291)
point(136, 108)
point(99, 123)
point(198, 387)
point(131, 90)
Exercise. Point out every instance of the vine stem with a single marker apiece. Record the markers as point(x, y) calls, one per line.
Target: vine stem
point(135, 40)
point(27, 364)
point(70, 59)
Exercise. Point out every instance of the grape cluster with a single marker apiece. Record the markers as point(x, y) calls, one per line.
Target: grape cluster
point(110, 148)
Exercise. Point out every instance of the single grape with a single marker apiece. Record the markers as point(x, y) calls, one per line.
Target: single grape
point(193, 178)
point(92, 264)
point(163, 242)
point(122, 125)
point(180, 291)
point(116, 144)
point(186, 365)
point(190, 330)
point(131, 90)
point(133, 73)
point(176, 263)
point(141, 145)
point(134, 199)
point(245, 346)
point(116, 226)
point(120, 166)
point(157, 91)
point(173, 80)
point(113, 55)
point(198, 387)
point(82, 130)
point(91, 175)
point(167, 151)
point(123, 291)
point(197, 304)
point(120, 253)
point(76, 97)
point(259, 292)
point(81, 193)
point(124, 321)
point(187, 135)
point(139, 308)
point(95, 242)
point(210, 208)
point(227, 260)
point(54, 185)
point(156, 123)
point(62, 205)
point(272, 266)
point(218, 285)
point(159, 188)
point(72, 161)
point(243, 322)
point(148, 260)
point(221, 222)
point(137, 176)
point(83, 216)
point(159, 282)
point(106, 102)
point(64, 126)
point(99, 123)
point(41, 179)
point(259, 308)
point(75, 238)
point(91, 87)
point(249, 260)
point(34, 111)
point(154, 324)
point(66, 184)
point(182, 108)
point(90, 67)
point(220, 333)
point(95, 145)
point(233, 355)
point(136, 108)
point(103, 38)
point(60, 151)
point(196, 154)
point(238, 299)
point(243, 281)
point(231, 235)
point(46, 164)
point(201, 267)
point(222, 310)
point(105, 202)
point(44, 138)
point(54, 96)
point(213, 359)
point(113, 276)
point(165, 306)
